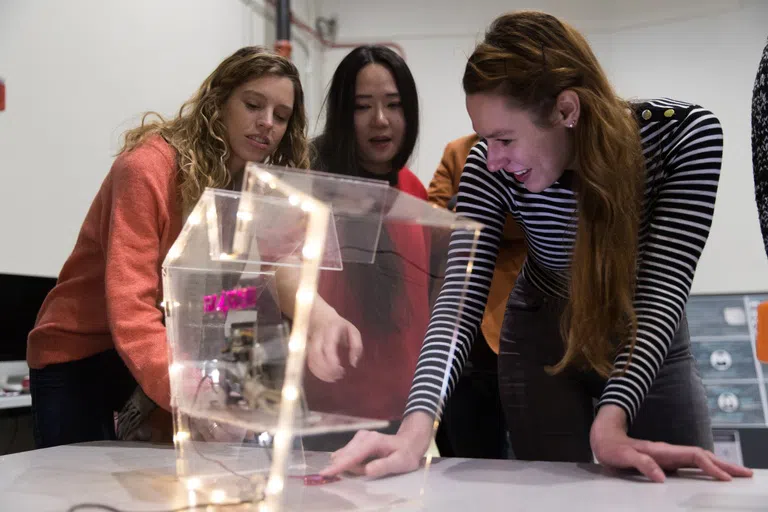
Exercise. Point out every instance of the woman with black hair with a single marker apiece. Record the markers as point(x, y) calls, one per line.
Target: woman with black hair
point(372, 120)
point(366, 332)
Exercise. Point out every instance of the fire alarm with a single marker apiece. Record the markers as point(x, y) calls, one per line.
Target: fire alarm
point(2, 94)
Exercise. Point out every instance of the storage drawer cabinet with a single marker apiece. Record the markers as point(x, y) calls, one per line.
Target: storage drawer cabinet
point(718, 316)
point(735, 404)
point(724, 360)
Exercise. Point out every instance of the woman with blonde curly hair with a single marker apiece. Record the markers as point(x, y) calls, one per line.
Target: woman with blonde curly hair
point(100, 335)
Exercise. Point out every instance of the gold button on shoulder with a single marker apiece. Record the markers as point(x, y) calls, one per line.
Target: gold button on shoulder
point(669, 112)
point(646, 114)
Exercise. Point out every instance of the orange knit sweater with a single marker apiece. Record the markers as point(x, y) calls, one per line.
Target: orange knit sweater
point(109, 290)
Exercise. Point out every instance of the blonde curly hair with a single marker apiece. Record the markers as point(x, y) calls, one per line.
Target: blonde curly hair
point(198, 133)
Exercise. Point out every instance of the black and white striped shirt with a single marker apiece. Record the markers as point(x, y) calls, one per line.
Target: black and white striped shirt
point(682, 145)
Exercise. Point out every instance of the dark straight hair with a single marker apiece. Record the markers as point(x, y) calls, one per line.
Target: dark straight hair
point(335, 149)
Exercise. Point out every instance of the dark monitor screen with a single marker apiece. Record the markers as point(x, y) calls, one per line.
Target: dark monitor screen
point(20, 300)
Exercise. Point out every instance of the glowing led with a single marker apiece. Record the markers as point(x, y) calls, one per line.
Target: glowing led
point(218, 496)
point(281, 440)
point(275, 485)
point(290, 393)
point(311, 251)
point(295, 344)
point(305, 295)
point(181, 436)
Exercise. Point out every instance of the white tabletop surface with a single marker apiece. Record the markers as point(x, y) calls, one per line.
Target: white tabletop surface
point(13, 402)
point(14, 368)
point(139, 477)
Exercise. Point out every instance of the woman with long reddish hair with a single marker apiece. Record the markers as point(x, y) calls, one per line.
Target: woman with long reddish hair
point(616, 201)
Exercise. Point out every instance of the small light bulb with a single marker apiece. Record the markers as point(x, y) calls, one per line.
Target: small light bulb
point(181, 436)
point(245, 216)
point(305, 295)
point(311, 251)
point(290, 393)
point(281, 440)
point(294, 200)
point(275, 485)
point(295, 344)
point(218, 496)
point(193, 484)
point(175, 368)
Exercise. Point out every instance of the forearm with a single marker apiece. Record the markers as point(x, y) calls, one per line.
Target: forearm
point(287, 283)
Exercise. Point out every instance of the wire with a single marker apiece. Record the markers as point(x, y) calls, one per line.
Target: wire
point(109, 508)
point(394, 253)
point(199, 453)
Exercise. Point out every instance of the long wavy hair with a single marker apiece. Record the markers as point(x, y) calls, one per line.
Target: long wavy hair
point(198, 133)
point(531, 57)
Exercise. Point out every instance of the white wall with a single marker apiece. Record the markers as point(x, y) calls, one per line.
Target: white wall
point(713, 62)
point(80, 72)
point(703, 51)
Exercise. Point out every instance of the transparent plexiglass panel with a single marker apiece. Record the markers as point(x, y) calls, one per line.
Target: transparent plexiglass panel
point(296, 310)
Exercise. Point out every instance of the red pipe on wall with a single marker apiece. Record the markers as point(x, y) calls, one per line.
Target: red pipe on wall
point(329, 44)
point(283, 28)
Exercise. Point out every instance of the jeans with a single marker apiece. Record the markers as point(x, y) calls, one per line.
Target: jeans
point(75, 402)
point(550, 416)
point(473, 423)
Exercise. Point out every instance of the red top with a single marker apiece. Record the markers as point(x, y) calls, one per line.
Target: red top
point(109, 289)
point(378, 387)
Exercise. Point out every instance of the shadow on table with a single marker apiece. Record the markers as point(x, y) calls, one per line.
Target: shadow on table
point(125, 444)
point(727, 501)
point(524, 473)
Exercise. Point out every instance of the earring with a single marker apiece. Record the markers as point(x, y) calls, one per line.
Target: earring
point(572, 124)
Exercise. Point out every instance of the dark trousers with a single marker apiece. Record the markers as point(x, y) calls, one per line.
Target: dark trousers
point(473, 424)
point(550, 417)
point(75, 402)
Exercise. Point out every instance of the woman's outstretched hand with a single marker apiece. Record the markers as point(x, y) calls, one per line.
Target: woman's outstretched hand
point(375, 455)
point(614, 448)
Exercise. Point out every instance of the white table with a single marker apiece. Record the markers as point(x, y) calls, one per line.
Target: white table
point(140, 477)
point(15, 402)
point(18, 368)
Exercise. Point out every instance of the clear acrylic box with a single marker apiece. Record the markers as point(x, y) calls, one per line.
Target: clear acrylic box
point(254, 418)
